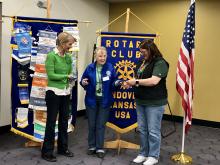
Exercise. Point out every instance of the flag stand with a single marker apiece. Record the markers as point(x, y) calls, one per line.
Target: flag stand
point(182, 157)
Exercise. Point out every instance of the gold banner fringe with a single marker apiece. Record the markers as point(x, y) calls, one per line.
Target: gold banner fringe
point(120, 130)
point(24, 134)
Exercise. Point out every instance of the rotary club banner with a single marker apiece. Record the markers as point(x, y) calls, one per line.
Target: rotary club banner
point(123, 53)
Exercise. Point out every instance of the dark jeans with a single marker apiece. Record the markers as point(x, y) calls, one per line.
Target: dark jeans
point(56, 104)
point(97, 118)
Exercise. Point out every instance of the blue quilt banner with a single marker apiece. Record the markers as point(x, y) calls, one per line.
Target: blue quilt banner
point(24, 44)
point(123, 53)
point(32, 25)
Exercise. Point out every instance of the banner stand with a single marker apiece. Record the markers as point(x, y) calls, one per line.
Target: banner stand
point(32, 143)
point(118, 143)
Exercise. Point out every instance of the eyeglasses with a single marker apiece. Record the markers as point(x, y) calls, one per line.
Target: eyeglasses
point(143, 51)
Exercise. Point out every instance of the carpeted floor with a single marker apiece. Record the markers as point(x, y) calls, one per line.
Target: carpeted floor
point(202, 144)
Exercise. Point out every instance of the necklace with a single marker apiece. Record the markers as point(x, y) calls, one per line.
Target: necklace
point(141, 69)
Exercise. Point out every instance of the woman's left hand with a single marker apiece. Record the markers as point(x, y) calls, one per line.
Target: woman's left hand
point(85, 81)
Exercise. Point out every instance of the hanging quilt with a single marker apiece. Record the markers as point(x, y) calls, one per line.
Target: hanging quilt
point(32, 39)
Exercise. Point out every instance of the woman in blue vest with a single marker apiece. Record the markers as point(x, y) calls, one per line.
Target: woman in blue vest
point(151, 98)
point(98, 80)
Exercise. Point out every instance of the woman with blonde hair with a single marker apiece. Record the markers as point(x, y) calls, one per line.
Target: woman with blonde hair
point(59, 68)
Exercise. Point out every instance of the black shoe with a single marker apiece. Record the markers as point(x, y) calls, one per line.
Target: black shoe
point(91, 151)
point(49, 157)
point(100, 154)
point(66, 153)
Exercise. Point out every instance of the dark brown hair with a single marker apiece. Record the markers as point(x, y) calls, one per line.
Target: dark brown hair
point(151, 47)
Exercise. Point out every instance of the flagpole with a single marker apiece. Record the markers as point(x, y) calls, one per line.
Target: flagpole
point(183, 134)
point(182, 157)
point(184, 78)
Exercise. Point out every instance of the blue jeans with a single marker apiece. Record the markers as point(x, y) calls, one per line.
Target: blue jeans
point(97, 118)
point(149, 124)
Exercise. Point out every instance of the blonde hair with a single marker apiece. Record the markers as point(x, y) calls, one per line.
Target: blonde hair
point(101, 48)
point(64, 37)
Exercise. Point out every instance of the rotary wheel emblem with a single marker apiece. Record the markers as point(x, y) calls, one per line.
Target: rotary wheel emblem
point(125, 69)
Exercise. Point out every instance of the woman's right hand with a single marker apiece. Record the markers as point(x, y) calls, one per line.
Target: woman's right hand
point(70, 77)
point(85, 81)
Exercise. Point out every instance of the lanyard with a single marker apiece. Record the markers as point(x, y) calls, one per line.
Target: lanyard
point(98, 80)
point(141, 69)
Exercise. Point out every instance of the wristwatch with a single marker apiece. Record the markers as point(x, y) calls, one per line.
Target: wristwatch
point(136, 83)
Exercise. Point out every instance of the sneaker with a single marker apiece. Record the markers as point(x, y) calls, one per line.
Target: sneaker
point(150, 161)
point(140, 159)
point(100, 153)
point(91, 151)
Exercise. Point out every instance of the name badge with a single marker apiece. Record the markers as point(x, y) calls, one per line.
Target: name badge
point(105, 78)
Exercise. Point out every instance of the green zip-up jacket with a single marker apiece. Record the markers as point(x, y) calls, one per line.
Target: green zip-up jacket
point(58, 68)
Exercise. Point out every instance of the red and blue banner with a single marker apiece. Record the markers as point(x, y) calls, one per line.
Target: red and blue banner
point(123, 52)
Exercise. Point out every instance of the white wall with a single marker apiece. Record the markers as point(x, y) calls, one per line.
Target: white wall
point(96, 11)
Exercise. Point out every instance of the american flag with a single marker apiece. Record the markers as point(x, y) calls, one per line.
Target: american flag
point(185, 66)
